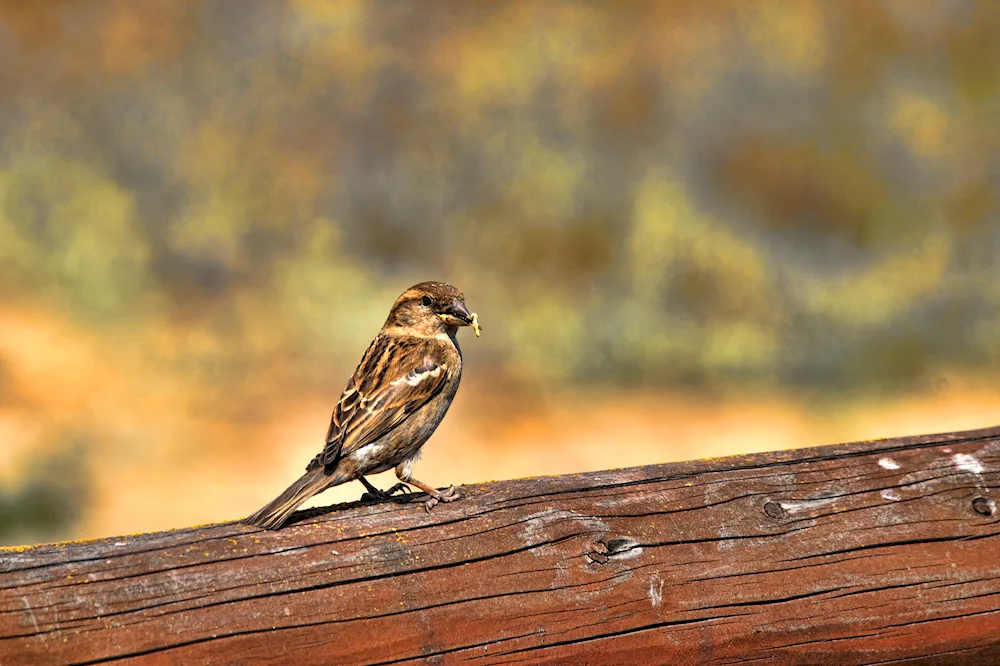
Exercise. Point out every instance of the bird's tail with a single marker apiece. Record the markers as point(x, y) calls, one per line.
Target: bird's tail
point(274, 515)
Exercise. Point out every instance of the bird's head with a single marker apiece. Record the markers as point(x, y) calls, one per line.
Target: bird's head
point(431, 308)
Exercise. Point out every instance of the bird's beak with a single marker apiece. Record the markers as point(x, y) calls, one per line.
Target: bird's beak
point(456, 314)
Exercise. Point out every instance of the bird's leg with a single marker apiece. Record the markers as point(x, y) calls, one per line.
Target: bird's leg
point(404, 472)
point(376, 494)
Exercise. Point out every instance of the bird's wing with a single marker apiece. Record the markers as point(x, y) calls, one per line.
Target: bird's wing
point(396, 377)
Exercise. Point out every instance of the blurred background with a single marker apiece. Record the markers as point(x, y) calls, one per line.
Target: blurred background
point(690, 227)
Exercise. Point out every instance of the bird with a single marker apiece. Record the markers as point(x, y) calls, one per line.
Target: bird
point(393, 403)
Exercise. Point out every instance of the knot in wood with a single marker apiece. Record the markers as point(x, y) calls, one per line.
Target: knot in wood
point(597, 557)
point(622, 547)
point(774, 510)
point(983, 506)
point(619, 545)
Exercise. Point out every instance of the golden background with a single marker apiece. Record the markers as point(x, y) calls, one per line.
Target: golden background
point(691, 228)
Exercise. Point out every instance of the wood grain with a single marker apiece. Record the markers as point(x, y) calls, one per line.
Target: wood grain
point(874, 552)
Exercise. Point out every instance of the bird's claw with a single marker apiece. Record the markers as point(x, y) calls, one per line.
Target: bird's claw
point(449, 495)
point(399, 487)
point(382, 495)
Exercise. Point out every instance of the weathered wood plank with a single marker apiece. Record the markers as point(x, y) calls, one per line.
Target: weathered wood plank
point(871, 552)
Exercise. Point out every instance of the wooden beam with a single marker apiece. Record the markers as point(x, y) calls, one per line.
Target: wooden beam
point(871, 552)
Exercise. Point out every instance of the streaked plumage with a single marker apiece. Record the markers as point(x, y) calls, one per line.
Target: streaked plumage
point(393, 402)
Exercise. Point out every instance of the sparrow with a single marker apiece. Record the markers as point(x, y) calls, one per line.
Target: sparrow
point(393, 403)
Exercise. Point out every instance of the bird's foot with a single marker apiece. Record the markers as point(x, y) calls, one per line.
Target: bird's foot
point(449, 495)
point(375, 495)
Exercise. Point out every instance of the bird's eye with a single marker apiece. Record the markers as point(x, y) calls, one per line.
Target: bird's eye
point(427, 301)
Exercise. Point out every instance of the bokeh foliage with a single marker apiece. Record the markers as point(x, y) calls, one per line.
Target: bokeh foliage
point(697, 193)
